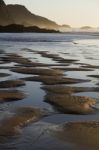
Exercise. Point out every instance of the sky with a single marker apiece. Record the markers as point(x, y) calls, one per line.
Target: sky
point(76, 13)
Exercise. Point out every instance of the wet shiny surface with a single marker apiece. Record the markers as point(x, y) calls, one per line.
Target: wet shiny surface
point(36, 136)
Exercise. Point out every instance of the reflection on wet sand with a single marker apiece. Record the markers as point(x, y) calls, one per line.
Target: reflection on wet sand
point(80, 135)
point(11, 126)
point(58, 82)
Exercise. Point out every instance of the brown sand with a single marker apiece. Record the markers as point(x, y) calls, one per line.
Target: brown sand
point(23, 116)
point(80, 135)
point(60, 89)
point(52, 80)
point(11, 83)
point(10, 95)
point(37, 71)
point(72, 104)
point(74, 69)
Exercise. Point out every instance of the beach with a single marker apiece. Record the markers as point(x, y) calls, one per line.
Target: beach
point(49, 91)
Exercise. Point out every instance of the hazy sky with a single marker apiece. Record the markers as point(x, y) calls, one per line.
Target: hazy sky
point(74, 12)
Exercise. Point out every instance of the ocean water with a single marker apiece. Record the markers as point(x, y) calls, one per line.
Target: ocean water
point(83, 47)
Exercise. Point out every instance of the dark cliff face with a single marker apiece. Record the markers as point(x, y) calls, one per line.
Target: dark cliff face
point(5, 17)
point(18, 14)
point(23, 16)
point(2, 2)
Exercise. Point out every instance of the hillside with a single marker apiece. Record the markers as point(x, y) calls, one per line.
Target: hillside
point(5, 17)
point(21, 15)
point(18, 14)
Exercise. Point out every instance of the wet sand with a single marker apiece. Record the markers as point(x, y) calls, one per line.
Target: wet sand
point(81, 135)
point(33, 94)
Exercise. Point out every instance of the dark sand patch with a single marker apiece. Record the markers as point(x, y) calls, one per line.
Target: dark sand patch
point(6, 67)
point(5, 59)
point(63, 60)
point(2, 51)
point(38, 71)
point(28, 50)
point(94, 76)
point(52, 80)
point(60, 89)
point(19, 59)
point(74, 69)
point(4, 75)
point(35, 64)
point(64, 53)
point(33, 51)
point(91, 66)
point(82, 64)
point(79, 135)
point(45, 54)
point(23, 116)
point(11, 83)
point(72, 104)
point(1, 63)
point(56, 57)
point(25, 61)
point(10, 95)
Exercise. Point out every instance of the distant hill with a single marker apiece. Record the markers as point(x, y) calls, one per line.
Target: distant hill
point(65, 27)
point(20, 15)
point(86, 28)
point(5, 17)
